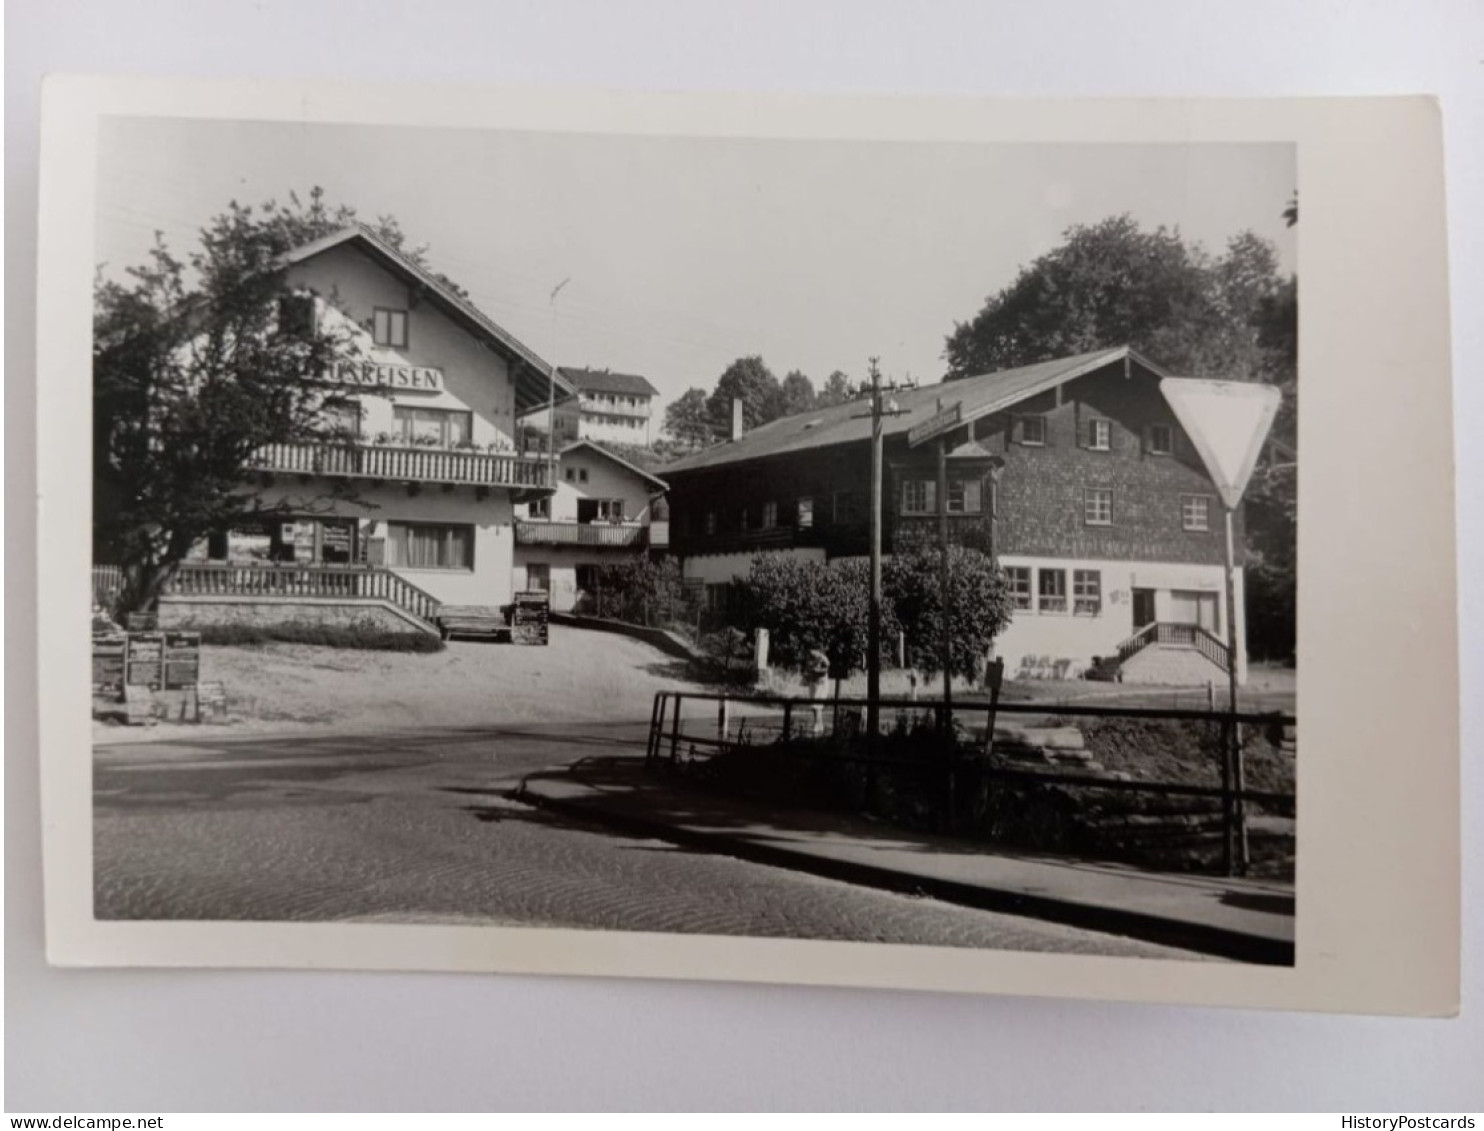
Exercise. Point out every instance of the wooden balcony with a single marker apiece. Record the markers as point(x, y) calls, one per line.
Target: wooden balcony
point(605, 534)
point(405, 465)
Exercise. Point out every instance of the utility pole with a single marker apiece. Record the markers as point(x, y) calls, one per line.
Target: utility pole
point(879, 410)
point(551, 389)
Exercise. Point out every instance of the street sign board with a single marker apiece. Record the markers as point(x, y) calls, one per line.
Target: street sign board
point(949, 418)
point(529, 617)
point(182, 660)
point(108, 663)
point(144, 660)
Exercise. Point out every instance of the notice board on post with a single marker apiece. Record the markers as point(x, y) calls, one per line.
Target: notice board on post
point(108, 663)
point(144, 656)
point(528, 619)
point(182, 660)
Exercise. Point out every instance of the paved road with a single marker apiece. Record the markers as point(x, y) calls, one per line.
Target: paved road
point(415, 828)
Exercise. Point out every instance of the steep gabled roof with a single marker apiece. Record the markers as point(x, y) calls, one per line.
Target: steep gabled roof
point(850, 423)
point(602, 451)
point(532, 374)
point(604, 381)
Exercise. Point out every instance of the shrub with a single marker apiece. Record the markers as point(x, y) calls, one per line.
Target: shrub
point(981, 605)
point(811, 606)
point(361, 635)
point(638, 591)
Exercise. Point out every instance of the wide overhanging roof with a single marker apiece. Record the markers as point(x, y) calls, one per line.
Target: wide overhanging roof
point(850, 423)
point(532, 374)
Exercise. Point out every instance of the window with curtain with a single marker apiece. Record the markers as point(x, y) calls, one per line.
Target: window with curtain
point(443, 427)
point(423, 545)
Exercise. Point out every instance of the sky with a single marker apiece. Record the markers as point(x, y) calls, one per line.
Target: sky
point(681, 254)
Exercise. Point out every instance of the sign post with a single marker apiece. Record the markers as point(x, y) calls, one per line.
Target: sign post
point(1228, 422)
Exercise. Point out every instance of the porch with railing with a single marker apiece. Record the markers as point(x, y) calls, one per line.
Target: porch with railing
point(408, 465)
point(303, 581)
point(1176, 634)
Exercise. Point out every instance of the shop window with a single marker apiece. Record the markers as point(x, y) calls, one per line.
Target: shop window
point(389, 327)
point(1195, 512)
point(1097, 506)
point(1019, 580)
point(919, 496)
point(426, 545)
point(964, 496)
point(1087, 592)
point(1051, 590)
point(431, 427)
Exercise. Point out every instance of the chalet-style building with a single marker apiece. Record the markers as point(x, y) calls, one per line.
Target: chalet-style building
point(1075, 473)
point(604, 510)
point(609, 407)
point(419, 508)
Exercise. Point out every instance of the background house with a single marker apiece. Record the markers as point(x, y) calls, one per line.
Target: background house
point(603, 511)
point(611, 407)
point(1074, 473)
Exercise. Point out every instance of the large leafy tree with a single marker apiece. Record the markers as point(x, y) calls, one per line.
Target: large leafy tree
point(197, 363)
point(1113, 283)
point(835, 391)
point(809, 606)
point(798, 393)
point(688, 420)
point(747, 379)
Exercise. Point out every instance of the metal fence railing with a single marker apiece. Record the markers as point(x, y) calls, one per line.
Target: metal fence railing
point(738, 722)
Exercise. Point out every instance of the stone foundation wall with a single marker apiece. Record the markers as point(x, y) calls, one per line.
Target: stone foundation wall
point(204, 612)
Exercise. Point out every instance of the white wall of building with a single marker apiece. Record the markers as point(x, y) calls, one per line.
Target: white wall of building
point(488, 582)
point(350, 287)
point(1078, 637)
point(586, 474)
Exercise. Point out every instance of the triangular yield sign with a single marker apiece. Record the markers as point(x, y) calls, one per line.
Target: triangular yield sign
point(1228, 423)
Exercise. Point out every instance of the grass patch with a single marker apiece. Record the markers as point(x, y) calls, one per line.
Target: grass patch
point(361, 635)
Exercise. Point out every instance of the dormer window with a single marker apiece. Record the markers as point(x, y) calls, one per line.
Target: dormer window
point(389, 327)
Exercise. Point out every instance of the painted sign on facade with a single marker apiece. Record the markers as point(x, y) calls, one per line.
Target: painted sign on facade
point(371, 374)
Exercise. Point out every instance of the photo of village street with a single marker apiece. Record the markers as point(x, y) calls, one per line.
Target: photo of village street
point(844, 540)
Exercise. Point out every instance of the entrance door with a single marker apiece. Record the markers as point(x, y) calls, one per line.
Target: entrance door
point(1189, 606)
point(1143, 607)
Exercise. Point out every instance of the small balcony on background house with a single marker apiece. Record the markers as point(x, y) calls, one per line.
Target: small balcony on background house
point(413, 465)
point(603, 534)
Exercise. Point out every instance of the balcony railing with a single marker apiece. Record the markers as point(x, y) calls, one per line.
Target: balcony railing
point(606, 409)
point(407, 465)
point(578, 534)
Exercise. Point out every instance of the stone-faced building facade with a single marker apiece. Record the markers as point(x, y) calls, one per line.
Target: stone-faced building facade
point(1075, 473)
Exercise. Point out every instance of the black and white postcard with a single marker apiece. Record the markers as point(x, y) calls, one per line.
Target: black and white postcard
point(939, 544)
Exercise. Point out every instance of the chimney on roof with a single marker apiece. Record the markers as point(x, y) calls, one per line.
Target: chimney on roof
point(737, 428)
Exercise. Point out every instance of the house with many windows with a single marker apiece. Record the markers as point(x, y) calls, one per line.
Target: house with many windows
point(1074, 473)
point(604, 510)
point(416, 507)
point(608, 407)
